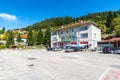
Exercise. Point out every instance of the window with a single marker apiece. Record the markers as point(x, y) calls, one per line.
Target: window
point(54, 33)
point(74, 37)
point(74, 30)
point(85, 35)
point(63, 38)
point(54, 38)
point(95, 35)
point(83, 28)
point(67, 31)
point(61, 32)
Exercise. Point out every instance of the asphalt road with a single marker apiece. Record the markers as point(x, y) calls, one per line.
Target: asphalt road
point(48, 65)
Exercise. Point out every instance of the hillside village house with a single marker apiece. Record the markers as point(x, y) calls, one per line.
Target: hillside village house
point(23, 38)
point(83, 33)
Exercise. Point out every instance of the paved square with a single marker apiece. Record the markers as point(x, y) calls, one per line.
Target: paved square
point(48, 65)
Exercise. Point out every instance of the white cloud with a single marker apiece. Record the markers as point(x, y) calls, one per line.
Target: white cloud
point(8, 16)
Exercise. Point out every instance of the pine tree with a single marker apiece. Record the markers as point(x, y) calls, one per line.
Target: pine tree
point(10, 39)
point(19, 38)
point(39, 37)
point(30, 38)
point(35, 38)
point(47, 37)
point(110, 17)
point(3, 30)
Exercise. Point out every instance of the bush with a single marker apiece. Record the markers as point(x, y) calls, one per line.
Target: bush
point(20, 46)
point(108, 30)
point(3, 46)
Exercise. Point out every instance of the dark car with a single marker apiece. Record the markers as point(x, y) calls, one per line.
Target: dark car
point(49, 48)
point(108, 49)
point(71, 49)
point(117, 50)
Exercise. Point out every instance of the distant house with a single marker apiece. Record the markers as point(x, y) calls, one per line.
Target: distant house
point(23, 40)
point(83, 33)
point(22, 32)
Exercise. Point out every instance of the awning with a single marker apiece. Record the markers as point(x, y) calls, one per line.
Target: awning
point(84, 42)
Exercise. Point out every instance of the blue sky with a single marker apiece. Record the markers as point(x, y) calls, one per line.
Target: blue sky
point(22, 13)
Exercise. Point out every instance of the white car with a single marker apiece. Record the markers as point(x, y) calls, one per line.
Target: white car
point(117, 51)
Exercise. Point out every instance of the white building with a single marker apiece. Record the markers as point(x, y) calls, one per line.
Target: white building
point(23, 40)
point(86, 33)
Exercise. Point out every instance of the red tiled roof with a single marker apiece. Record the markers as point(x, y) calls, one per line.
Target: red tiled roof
point(22, 36)
point(111, 40)
point(115, 39)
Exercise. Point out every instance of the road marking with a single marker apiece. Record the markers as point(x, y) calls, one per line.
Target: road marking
point(104, 74)
point(111, 74)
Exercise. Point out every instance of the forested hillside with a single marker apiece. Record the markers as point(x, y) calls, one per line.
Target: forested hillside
point(53, 22)
point(108, 21)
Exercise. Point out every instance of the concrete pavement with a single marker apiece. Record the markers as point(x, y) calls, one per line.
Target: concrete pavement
point(48, 65)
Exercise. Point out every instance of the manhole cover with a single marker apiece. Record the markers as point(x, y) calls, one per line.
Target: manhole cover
point(30, 65)
point(31, 58)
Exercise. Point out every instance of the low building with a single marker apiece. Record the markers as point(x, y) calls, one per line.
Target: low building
point(23, 40)
point(114, 43)
point(83, 33)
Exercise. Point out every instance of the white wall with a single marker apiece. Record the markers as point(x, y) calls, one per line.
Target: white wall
point(94, 35)
point(24, 41)
point(96, 31)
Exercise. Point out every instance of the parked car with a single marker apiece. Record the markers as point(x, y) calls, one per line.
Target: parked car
point(108, 49)
point(57, 49)
point(117, 50)
point(72, 49)
point(49, 48)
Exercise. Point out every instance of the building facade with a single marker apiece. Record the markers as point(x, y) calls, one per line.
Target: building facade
point(79, 33)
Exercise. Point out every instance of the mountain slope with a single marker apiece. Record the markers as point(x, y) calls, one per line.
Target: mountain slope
point(106, 21)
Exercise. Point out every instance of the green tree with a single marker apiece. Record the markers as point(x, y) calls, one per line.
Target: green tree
point(110, 17)
point(34, 38)
point(102, 26)
point(3, 30)
point(19, 38)
point(30, 39)
point(115, 22)
point(39, 37)
point(108, 30)
point(10, 39)
point(47, 36)
point(117, 29)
